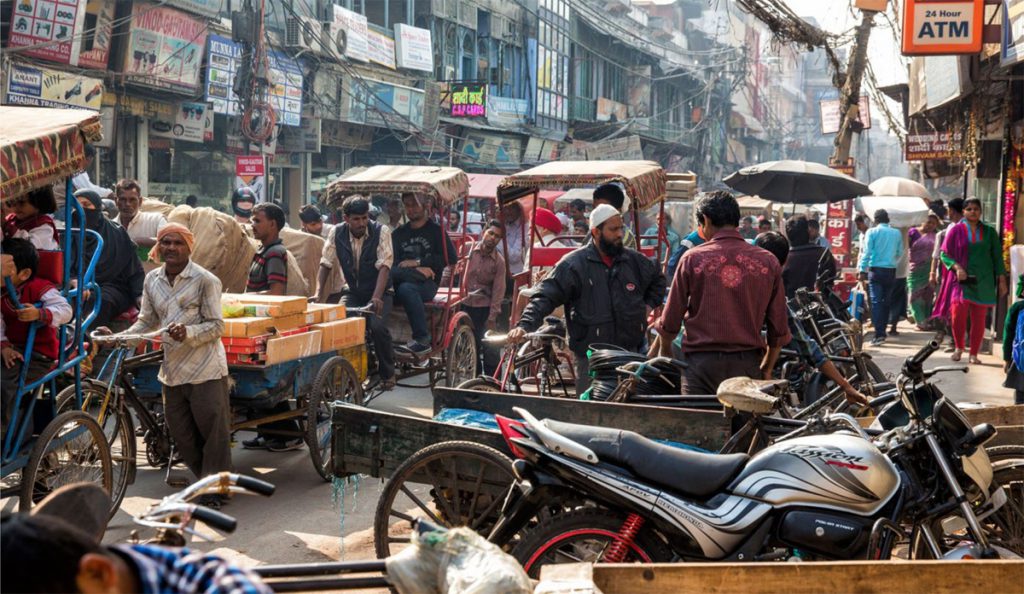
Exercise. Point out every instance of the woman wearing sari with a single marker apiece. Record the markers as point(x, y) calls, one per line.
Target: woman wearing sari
point(922, 291)
point(973, 274)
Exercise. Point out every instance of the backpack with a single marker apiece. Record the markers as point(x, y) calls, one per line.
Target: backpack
point(1018, 343)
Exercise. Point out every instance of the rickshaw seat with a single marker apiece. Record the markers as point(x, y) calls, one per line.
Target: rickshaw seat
point(649, 251)
point(546, 256)
point(444, 294)
point(51, 266)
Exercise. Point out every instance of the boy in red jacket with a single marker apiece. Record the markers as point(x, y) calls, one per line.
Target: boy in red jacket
point(16, 322)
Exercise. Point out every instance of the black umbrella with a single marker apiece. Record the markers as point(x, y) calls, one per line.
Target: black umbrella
point(796, 182)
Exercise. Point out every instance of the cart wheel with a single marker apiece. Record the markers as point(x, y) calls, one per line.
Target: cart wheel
point(454, 483)
point(336, 380)
point(117, 427)
point(71, 449)
point(461, 356)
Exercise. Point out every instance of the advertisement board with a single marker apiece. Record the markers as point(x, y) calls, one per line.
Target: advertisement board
point(42, 87)
point(192, 122)
point(611, 111)
point(207, 8)
point(838, 229)
point(932, 145)
point(164, 48)
point(413, 49)
point(467, 100)
point(380, 49)
point(285, 81)
point(484, 148)
point(47, 27)
point(507, 112)
point(250, 173)
point(942, 27)
point(830, 118)
point(306, 138)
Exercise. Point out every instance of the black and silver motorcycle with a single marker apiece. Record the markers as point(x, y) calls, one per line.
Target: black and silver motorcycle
point(826, 491)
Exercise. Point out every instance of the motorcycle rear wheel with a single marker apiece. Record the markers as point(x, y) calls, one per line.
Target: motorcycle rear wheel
point(583, 535)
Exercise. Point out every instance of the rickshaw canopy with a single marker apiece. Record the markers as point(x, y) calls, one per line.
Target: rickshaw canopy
point(447, 185)
point(41, 146)
point(643, 181)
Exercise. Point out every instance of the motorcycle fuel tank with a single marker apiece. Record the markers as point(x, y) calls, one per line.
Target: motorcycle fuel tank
point(837, 471)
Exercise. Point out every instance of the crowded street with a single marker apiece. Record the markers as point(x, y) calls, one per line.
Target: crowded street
point(529, 297)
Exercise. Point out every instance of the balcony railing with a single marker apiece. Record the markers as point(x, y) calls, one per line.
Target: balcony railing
point(583, 109)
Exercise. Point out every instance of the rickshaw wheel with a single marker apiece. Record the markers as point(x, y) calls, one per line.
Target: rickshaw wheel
point(71, 449)
point(336, 380)
point(118, 429)
point(460, 364)
point(453, 483)
point(481, 384)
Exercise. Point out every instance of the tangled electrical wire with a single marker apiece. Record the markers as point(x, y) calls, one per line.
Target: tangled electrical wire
point(654, 379)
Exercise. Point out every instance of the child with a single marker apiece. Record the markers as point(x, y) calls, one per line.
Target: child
point(16, 322)
point(31, 219)
point(1012, 340)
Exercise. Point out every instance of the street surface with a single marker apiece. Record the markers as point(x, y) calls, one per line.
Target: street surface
point(303, 521)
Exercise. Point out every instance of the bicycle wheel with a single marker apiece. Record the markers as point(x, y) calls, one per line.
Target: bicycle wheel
point(336, 380)
point(117, 427)
point(460, 356)
point(453, 483)
point(481, 384)
point(71, 449)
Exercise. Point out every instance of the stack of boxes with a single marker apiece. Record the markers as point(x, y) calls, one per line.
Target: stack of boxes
point(274, 329)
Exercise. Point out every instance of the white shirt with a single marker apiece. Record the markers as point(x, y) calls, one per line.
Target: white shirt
point(326, 230)
point(145, 225)
point(82, 182)
point(41, 237)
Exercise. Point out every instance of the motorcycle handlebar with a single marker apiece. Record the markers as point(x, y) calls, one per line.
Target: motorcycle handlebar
point(922, 355)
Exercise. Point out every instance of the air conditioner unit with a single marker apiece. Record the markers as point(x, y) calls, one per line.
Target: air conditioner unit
point(303, 33)
point(467, 14)
point(335, 39)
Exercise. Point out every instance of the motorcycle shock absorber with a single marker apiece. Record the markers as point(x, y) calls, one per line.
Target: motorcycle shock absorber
point(616, 553)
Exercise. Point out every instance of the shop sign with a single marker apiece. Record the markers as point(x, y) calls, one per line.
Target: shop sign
point(192, 122)
point(304, 138)
point(95, 49)
point(506, 112)
point(42, 87)
point(377, 103)
point(1012, 43)
point(413, 48)
point(49, 25)
point(285, 74)
point(250, 173)
point(146, 108)
point(626, 148)
point(483, 148)
point(467, 100)
point(350, 136)
point(942, 27)
point(164, 48)
point(934, 145)
point(611, 111)
point(540, 150)
point(830, 116)
point(838, 228)
point(208, 8)
point(380, 49)
point(357, 45)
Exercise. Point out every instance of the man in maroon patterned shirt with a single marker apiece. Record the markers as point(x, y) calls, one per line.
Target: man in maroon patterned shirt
point(725, 291)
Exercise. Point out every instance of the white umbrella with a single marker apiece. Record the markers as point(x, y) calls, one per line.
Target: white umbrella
point(904, 211)
point(796, 182)
point(898, 186)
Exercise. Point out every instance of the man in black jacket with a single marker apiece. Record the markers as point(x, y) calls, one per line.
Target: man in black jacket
point(808, 262)
point(362, 249)
point(422, 251)
point(606, 289)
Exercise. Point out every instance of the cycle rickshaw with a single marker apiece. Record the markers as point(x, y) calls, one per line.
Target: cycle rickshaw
point(43, 450)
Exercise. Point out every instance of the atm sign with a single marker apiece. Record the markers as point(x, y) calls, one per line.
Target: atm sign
point(939, 27)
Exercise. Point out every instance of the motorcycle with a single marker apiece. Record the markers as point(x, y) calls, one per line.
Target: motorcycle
point(827, 490)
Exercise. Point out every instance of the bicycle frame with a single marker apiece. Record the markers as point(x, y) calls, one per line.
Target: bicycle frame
point(505, 374)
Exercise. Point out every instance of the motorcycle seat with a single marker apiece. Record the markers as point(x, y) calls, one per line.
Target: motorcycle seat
point(694, 474)
point(750, 395)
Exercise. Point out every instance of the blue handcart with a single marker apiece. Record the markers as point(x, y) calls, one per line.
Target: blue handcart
point(43, 450)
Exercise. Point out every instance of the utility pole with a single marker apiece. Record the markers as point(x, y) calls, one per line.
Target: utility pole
point(849, 95)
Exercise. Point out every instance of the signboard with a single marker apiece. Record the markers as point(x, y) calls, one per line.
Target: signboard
point(208, 8)
point(377, 103)
point(304, 138)
point(350, 136)
point(838, 228)
point(42, 87)
point(49, 26)
point(507, 112)
point(146, 108)
point(285, 81)
point(625, 148)
point(192, 122)
point(354, 25)
point(164, 48)
point(540, 150)
point(467, 100)
point(95, 47)
point(250, 173)
point(413, 49)
point(942, 27)
point(830, 117)
point(380, 49)
point(934, 145)
point(484, 148)
point(1011, 46)
point(611, 111)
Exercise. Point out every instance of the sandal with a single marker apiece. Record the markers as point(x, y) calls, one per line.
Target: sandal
point(957, 354)
point(975, 361)
point(388, 384)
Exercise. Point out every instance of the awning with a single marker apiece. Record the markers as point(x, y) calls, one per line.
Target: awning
point(643, 181)
point(446, 184)
point(40, 146)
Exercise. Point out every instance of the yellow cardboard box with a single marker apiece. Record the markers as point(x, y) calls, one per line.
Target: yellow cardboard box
point(343, 333)
point(248, 327)
point(296, 346)
point(274, 306)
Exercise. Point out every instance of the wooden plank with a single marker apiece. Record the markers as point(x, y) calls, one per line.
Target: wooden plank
point(701, 428)
point(374, 442)
point(996, 415)
point(841, 577)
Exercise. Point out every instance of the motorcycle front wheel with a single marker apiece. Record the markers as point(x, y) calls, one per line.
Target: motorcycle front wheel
point(584, 536)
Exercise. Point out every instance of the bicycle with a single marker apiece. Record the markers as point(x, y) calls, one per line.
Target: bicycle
point(537, 361)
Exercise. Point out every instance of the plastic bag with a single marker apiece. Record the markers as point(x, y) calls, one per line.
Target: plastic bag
point(232, 309)
point(467, 418)
point(456, 561)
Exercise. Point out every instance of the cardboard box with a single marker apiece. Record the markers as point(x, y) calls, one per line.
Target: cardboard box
point(288, 348)
point(328, 312)
point(343, 333)
point(274, 306)
point(249, 327)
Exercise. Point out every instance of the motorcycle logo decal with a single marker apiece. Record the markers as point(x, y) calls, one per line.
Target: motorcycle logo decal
point(849, 465)
point(832, 455)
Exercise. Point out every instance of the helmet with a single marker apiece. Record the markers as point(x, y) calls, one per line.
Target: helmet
point(243, 194)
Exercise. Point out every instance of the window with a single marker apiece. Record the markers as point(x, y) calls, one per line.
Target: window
point(553, 64)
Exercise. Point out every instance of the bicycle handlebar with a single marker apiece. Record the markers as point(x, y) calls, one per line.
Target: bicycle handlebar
point(215, 519)
point(502, 338)
point(127, 338)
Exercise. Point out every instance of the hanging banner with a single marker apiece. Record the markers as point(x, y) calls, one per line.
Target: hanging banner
point(380, 49)
point(192, 122)
point(42, 87)
point(285, 81)
point(354, 25)
point(506, 112)
point(639, 92)
point(250, 173)
point(413, 48)
point(164, 49)
point(942, 27)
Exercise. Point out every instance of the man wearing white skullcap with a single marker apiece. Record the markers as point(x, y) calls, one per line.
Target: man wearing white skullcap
point(607, 290)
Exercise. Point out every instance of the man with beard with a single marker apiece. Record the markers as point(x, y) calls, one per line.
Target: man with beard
point(606, 289)
point(726, 290)
point(485, 288)
point(362, 250)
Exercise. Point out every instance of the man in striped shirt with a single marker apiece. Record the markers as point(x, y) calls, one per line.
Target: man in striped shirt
point(184, 298)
